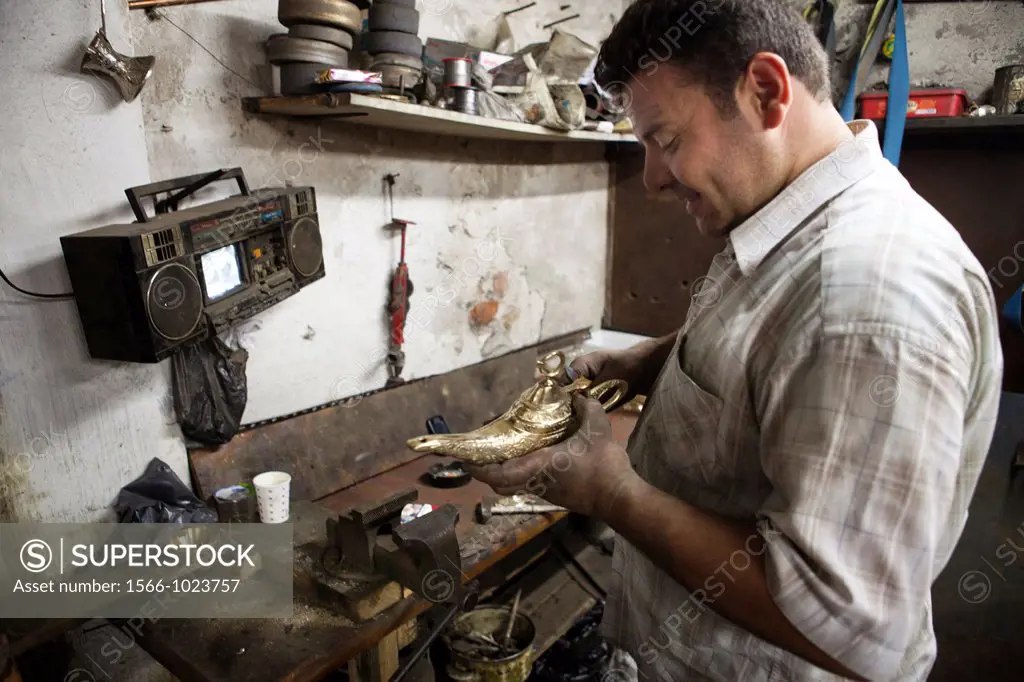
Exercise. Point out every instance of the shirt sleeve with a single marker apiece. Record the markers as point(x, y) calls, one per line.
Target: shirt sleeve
point(861, 438)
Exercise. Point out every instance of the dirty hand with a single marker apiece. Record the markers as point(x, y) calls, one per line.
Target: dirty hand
point(603, 365)
point(582, 473)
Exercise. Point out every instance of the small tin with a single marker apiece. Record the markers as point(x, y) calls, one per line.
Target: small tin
point(235, 504)
point(463, 100)
point(458, 72)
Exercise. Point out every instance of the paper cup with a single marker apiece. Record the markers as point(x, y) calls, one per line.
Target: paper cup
point(272, 489)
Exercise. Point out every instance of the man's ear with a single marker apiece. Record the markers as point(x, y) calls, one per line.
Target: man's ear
point(765, 91)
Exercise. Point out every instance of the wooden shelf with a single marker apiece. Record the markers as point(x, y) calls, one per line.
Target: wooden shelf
point(1005, 132)
point(1010, 125)
point(385, 113)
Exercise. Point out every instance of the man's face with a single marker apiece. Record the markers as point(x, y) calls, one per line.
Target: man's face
point(722, 170)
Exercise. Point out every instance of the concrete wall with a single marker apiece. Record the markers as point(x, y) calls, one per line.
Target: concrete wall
point(522, 225)
point(71, 430)
point(949, 44)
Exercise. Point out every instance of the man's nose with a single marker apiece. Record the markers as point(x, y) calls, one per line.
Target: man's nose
point(657, 176)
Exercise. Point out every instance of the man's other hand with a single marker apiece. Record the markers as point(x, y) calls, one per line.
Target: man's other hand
point(603, 365)
point(583, 473)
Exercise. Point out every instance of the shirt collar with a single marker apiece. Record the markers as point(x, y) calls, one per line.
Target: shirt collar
point(852, 161)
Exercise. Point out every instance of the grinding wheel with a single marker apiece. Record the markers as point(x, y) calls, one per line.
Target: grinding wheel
point(327, 34)
point(387, 17)
point(391, 75)
point(396, 59)
point(337, 13)
point(394, 41)
point(285, 49)
point(298, 78)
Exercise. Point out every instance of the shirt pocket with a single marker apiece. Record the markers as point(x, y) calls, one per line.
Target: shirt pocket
point(683, 446)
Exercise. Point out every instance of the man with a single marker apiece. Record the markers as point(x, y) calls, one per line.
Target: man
point(813, 434)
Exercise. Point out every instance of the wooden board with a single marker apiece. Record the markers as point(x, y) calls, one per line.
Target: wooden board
point(979, 193)
point(303, 648)
point(383, 113)
point(656, 253)
point(337, 447)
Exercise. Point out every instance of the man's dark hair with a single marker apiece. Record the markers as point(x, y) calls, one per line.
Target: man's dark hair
point(713, 42)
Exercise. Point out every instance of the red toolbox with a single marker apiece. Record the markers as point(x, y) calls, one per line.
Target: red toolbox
point(922, 103)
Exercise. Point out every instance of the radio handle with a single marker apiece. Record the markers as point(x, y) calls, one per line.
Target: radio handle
point(182, 188)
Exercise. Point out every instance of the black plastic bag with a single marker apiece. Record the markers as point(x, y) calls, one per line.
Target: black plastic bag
point(159, 496)
point(210, 390)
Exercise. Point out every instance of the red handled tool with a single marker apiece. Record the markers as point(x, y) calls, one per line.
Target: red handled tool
point(398, 302)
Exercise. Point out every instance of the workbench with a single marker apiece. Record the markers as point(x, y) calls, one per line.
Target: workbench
point(316, 641)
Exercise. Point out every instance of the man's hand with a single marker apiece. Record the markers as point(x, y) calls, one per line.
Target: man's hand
point(637, 366)
point(583, 474)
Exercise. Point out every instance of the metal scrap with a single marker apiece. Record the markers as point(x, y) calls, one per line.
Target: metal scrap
point(562, 21)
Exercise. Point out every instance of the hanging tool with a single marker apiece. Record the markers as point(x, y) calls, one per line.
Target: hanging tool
point(398, 301)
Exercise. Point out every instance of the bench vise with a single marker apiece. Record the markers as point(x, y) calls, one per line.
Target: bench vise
point(421, 555)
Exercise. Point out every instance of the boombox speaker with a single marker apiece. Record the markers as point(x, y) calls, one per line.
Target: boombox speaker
point(147, 288)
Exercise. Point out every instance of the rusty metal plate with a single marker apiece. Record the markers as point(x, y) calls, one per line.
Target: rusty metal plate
point(979, 192)
point(336, 447)
point(656, 253)
point(339, 446)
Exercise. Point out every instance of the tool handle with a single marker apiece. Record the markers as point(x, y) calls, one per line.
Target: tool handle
point(601, 390)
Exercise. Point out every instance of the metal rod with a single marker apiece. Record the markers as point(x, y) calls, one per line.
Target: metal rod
point(562, 21)
point(511, 619)
point(519, 9)
point(152, 4)
point(103, 17)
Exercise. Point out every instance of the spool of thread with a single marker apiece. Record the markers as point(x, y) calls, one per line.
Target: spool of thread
point(458, 72)
point(463, 100)
point(236, 504)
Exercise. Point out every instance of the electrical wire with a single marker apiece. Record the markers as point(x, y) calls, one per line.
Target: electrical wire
point(32, 293)
point(217, 59)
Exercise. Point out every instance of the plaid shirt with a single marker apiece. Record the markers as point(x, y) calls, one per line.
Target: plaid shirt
point(836, 380)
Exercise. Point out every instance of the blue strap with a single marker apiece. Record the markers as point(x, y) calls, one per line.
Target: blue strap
point(1012, 310)
point(899, 91)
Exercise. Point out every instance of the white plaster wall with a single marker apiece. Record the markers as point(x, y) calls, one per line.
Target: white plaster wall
point(536, 211)
point(72, 430)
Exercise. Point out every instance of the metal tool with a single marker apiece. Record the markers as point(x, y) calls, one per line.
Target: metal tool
point(445, 474)
point(512, 505)
point(422, 555)
point(507, 639)
point(398, 303)
point(128, 73)
point(410, 555)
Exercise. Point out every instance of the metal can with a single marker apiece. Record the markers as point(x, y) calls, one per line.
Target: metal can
point(1008, 89)
point(458, 72)
point(463, 99)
